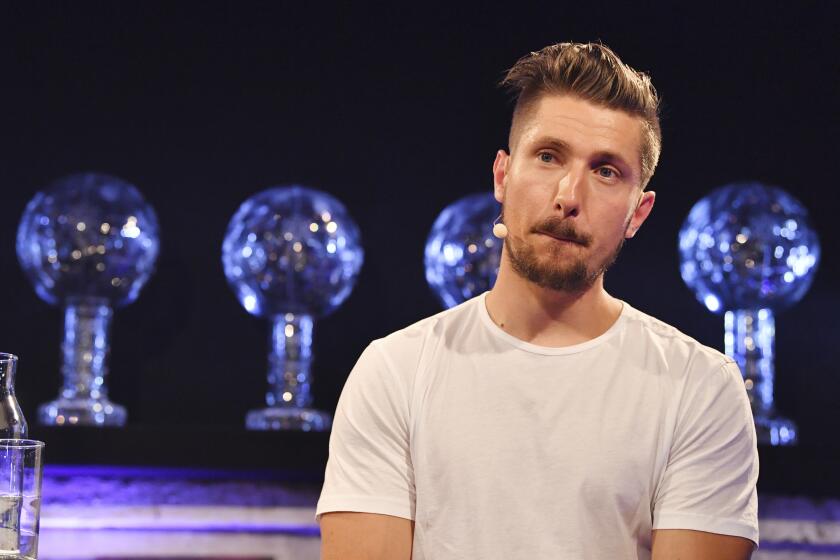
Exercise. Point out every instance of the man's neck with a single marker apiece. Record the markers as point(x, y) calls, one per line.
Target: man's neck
point(547, 317)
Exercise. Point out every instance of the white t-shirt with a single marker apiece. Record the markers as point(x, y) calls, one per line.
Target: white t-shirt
point(499, 448)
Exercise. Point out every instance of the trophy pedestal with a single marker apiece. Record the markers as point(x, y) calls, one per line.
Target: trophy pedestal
point(775, 430)
point(82, 412)
point(288, 418)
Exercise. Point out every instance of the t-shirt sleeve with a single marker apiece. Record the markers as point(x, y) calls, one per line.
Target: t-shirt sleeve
point(710, 479)
point(369, 467)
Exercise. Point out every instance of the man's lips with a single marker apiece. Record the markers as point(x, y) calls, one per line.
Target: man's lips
point(560, 238)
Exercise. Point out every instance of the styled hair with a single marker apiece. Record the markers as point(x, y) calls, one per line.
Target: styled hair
point(594, 73)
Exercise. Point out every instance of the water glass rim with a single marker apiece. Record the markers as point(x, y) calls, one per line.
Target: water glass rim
point(7, 357)
point(21, 443)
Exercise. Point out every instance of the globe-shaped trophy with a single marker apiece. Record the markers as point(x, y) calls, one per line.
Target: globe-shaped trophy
point(88, 243)
point(291, 254)
point(462, 256)
point(748, 250)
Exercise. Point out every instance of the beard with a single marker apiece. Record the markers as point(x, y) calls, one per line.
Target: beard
point(555, 270)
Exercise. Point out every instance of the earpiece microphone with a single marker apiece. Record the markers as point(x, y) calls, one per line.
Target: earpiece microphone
point(500, 230)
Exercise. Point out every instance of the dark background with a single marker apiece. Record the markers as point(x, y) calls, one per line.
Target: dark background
point(394, 109)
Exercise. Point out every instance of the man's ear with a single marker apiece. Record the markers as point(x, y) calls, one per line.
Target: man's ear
point(640, 214)
point(499, 174)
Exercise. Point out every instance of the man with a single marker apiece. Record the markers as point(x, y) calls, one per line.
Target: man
point(545, 418)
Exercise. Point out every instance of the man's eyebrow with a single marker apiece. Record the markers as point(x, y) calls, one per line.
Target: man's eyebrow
point(627, 170)
point(612, 157)
point(555, 143)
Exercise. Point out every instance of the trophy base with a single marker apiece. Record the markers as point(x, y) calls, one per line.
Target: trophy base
point(82, 412)
point(775, 430)
point(288, 419)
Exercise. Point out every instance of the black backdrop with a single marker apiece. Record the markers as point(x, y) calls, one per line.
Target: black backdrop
point(394, 110)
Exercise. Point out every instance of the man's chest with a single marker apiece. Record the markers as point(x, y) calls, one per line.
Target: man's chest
point(489, 437)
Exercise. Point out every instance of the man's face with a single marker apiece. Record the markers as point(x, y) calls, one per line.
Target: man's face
point(570, 191)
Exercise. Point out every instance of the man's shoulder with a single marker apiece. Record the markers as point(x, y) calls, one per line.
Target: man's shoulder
point(674, 346)
point(416, 335)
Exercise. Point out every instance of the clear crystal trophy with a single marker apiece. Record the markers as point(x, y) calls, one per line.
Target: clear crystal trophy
point(462, 255)
point(291, 254)
point(88, 243)
point(748, 250)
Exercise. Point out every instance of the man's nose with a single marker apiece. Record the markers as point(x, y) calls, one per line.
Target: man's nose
point(569, 191)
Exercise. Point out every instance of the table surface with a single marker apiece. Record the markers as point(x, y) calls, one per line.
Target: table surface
point(117, 511)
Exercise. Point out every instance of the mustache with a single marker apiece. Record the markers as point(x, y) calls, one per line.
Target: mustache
point(562, 228)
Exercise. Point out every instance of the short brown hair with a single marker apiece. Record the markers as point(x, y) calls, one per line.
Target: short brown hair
point(593, 72)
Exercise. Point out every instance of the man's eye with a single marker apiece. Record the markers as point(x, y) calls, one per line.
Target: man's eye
point(607, 172)
point(545, 157)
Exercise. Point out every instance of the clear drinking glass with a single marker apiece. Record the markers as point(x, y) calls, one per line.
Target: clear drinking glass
point(21, 469)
